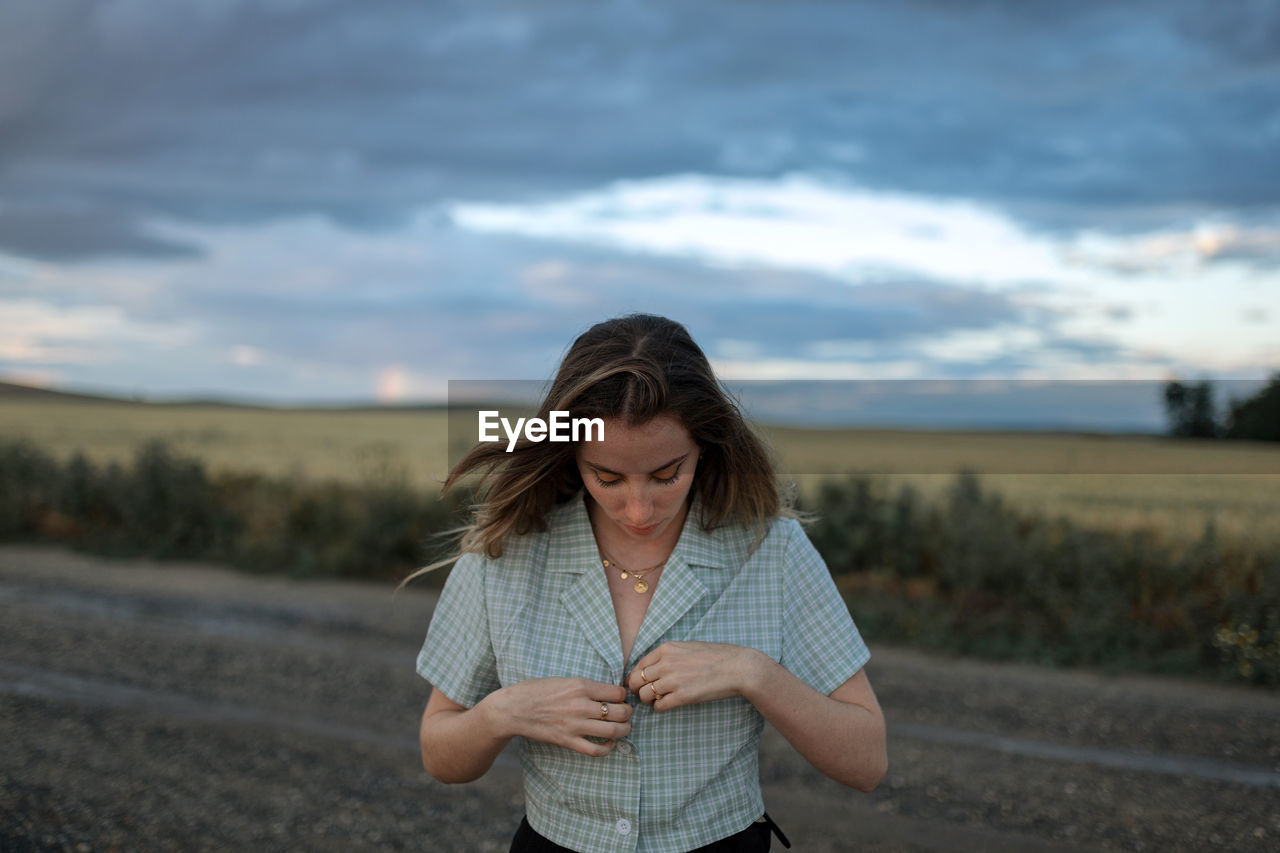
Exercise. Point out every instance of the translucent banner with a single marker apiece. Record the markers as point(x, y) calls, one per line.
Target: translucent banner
point(822, 427)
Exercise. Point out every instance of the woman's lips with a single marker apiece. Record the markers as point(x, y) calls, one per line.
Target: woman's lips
point(641, 531)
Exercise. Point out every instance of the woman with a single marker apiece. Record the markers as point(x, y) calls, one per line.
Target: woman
point(634, 608)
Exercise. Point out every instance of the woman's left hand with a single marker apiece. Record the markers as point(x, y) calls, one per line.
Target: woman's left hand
point(685, 673)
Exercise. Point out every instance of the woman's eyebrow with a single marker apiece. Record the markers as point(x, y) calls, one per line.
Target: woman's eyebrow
point(605, 470)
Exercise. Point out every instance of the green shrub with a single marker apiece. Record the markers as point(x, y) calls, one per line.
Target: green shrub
point(968, 573)
point(972, 575)
point(28, 488)
point(166, 506)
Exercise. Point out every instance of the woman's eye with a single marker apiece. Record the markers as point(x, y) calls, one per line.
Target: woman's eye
point(666, 481)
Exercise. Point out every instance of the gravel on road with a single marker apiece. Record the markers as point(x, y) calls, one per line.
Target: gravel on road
point(185, 706)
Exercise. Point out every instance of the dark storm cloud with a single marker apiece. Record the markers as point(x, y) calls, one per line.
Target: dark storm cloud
point(231, 110)
point(878, 314)
point(42, 231)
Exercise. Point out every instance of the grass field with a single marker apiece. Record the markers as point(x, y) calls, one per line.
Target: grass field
point(346, 445)
point(1116, 482)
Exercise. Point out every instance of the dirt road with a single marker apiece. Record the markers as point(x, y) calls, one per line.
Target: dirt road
point(186, 707)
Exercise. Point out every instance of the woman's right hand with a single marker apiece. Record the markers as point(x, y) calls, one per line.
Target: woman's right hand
point(565, 712)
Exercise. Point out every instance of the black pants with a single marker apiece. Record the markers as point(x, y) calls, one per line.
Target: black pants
point(756, 838)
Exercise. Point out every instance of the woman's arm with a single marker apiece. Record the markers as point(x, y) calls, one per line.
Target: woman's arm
point(842, 735)
point(459, 744)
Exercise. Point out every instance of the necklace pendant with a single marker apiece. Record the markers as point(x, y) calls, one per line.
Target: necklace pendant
point(625, 574)
point(642, 586)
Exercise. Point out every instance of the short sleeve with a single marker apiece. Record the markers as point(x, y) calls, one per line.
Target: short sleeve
point(457, 656)
point(820, 644)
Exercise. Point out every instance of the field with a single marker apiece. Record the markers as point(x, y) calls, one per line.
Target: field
point(1114, 482)
point(1171, 486)
point(1135, 552)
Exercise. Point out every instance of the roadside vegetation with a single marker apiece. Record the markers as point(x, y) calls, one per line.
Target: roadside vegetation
point(166, 506)
point(962, 570)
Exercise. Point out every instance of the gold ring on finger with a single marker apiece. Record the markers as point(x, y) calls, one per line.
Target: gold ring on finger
point(604, 711)
point(656, 694)
point(643, 677)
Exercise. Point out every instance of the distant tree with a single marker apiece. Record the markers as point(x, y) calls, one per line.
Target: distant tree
point(1190, 410)
point(1257, 417)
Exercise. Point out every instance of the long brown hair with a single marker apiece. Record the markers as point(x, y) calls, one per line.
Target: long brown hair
point(630, 368)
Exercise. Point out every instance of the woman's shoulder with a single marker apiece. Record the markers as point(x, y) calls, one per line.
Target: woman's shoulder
point(765, 542)
point(781, 530)
point(521, 549)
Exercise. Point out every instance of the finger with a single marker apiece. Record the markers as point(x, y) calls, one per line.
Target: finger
point(609, 731)
point(666, 701)
point(643, 674)
point(666, 698)
point(614, 711)
point(634, 681)
point(600, 692)
point(654, 694)
point(650, 659)
point(593, 710)
point(590, 747)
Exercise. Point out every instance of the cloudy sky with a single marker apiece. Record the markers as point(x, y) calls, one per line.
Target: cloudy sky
point(317, 200)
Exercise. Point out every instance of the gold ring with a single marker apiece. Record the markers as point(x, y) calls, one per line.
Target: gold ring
point(656, 694)
point(643, 677)
point(604, 711)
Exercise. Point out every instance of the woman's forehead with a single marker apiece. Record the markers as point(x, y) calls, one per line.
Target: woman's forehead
point(638, 449)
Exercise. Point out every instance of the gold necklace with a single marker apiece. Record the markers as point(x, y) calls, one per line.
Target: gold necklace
point(641, 585)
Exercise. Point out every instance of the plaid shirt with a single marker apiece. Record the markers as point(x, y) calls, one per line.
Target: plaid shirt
point(682, 778)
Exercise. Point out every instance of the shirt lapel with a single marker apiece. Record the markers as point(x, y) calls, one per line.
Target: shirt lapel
point(586, 597)
point(681, 588)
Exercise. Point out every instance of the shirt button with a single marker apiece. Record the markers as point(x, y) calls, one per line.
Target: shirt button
point(624, 747)
point(624, 826)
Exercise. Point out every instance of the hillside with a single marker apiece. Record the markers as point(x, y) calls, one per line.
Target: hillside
point(10, 391)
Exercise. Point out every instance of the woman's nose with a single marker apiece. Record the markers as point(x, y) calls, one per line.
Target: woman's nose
point(638, 508)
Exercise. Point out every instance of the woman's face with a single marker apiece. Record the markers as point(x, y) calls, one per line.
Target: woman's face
point(640, 477)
